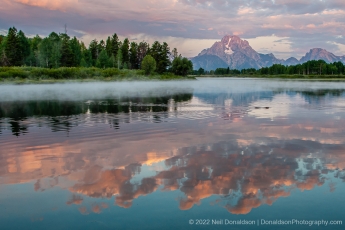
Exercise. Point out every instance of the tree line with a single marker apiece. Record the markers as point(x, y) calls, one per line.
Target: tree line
point(314, 67)
point(61, 50)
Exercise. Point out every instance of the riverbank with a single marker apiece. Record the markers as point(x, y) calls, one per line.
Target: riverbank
point(35, 75)
point(279, 76)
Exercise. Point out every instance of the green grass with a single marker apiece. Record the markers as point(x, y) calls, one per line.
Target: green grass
point(283, 76)
point(297, 76)
point(28, 75)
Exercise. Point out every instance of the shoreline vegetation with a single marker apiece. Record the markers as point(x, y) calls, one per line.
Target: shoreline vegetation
point(276, 76)
point(314, 69)
point(36, 75)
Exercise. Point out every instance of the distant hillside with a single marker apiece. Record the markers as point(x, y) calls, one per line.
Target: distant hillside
point(208, 62)
point(321, 54)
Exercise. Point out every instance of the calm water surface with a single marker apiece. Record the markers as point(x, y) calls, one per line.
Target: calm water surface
point(172, 155)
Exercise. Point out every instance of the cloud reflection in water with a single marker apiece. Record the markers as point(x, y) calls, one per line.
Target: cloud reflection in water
point(239, 155)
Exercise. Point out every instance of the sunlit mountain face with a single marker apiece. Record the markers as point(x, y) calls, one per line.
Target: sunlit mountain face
point(224, 150)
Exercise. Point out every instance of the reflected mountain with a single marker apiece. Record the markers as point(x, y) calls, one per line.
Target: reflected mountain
point(324, 93)
point(243, 99)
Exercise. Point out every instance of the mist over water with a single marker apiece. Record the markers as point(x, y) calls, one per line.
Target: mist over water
point(101, 90)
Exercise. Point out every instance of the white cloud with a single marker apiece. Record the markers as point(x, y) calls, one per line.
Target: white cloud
point(280, 46)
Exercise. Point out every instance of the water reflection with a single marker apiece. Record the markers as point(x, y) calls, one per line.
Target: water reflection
point(244, 177)
point(18, 116)
point(244, 150)
point(63, 115)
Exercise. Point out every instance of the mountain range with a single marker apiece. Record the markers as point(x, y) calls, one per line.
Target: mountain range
point(235, 53)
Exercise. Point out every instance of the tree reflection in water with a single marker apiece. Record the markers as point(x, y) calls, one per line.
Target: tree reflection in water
point(64, 115)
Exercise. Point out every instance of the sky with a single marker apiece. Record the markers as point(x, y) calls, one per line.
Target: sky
point(283, 27)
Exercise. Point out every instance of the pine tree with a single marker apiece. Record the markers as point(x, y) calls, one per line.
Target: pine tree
point(12, 47)
point(174, 53)
point(155, 52)
point(93, 47)
point(23, 47)
point(133, 55)
point(112, 61)
point(55, 36)
point(109, 47)
point(55, 54)
point(161, 53)
point(101, 47)
point(115, 44)
point(164, 62)
point(76, 51)
point(66, 54)
point(103, 60)
point(143, 50)
point(83, 63)
point(34, 43)
point(125, 51)
point(87, 56)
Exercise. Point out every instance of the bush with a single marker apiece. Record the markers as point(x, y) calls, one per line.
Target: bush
point(181, 66)
point(148, 64)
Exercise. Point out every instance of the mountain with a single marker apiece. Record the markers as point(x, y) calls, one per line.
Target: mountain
point(269, 60)
point(321, 54)
point(291, 61)
point(208, 62)
point(236, 53)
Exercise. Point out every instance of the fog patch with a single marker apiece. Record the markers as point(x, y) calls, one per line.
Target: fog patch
point(111, 90)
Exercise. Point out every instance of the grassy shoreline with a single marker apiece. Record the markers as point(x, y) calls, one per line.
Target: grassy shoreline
point(282, 76)
point(35, 75)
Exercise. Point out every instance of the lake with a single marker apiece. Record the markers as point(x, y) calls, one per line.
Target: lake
point(214, 153)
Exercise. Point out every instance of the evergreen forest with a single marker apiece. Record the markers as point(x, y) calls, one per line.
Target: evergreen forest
point(61, 50)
